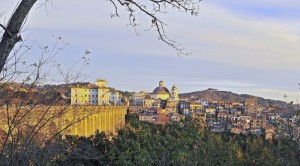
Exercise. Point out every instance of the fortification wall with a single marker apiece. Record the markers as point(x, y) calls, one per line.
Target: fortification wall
point(67, 120)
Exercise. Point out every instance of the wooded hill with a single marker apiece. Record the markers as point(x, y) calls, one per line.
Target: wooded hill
point(216, 95)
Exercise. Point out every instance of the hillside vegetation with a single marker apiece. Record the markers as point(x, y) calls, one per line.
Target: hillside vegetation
point(181, 143)
point(215, 95)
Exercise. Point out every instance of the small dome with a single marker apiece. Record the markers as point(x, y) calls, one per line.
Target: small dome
point(161, 83)
point(174, 87)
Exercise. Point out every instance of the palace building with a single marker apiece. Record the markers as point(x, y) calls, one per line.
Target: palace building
point(94, 94)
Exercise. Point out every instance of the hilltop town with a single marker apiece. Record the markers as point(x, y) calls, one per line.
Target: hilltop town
point(81, 112)
point(217, 111)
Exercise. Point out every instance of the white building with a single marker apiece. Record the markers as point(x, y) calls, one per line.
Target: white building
point(138, 98)
point(204, 103)
point(97, 94)
point(114, 98)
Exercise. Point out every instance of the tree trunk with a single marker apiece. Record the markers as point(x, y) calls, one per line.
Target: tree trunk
point(11, 35)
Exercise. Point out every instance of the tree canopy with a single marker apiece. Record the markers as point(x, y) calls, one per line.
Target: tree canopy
point(183, 143)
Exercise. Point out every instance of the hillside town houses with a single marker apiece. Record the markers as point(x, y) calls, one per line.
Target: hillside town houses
point(162, 106)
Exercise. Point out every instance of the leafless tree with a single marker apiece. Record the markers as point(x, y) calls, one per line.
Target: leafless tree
point(23, 136)
point(27, 113)
point(150, 8)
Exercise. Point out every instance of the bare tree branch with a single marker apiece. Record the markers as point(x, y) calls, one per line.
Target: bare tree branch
point(153, 7)
point(11, 35)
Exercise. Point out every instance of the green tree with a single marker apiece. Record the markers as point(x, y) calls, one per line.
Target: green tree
point(180, 144)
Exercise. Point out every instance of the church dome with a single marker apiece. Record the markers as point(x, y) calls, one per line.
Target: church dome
point(161, 90)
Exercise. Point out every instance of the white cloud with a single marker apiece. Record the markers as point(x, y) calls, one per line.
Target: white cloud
point(222, 35)
point(271, 5)
point(219, 35)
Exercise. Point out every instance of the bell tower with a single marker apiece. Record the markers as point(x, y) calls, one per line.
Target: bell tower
point(174, 93)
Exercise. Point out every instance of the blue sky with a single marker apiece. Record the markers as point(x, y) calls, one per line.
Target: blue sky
point(241, 46)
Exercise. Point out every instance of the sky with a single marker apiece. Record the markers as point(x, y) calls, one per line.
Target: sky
point(246, 47)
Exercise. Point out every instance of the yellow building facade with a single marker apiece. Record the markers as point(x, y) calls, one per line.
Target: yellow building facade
point(84, 96)
point(103, 95)
point(92, 94)
point(196, 107)
point(171, 106)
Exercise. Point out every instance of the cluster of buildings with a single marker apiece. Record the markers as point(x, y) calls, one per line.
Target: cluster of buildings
point(159, 106)
point(96, 94)
point(163, 106)
point(249, 118)
point(161, 97)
